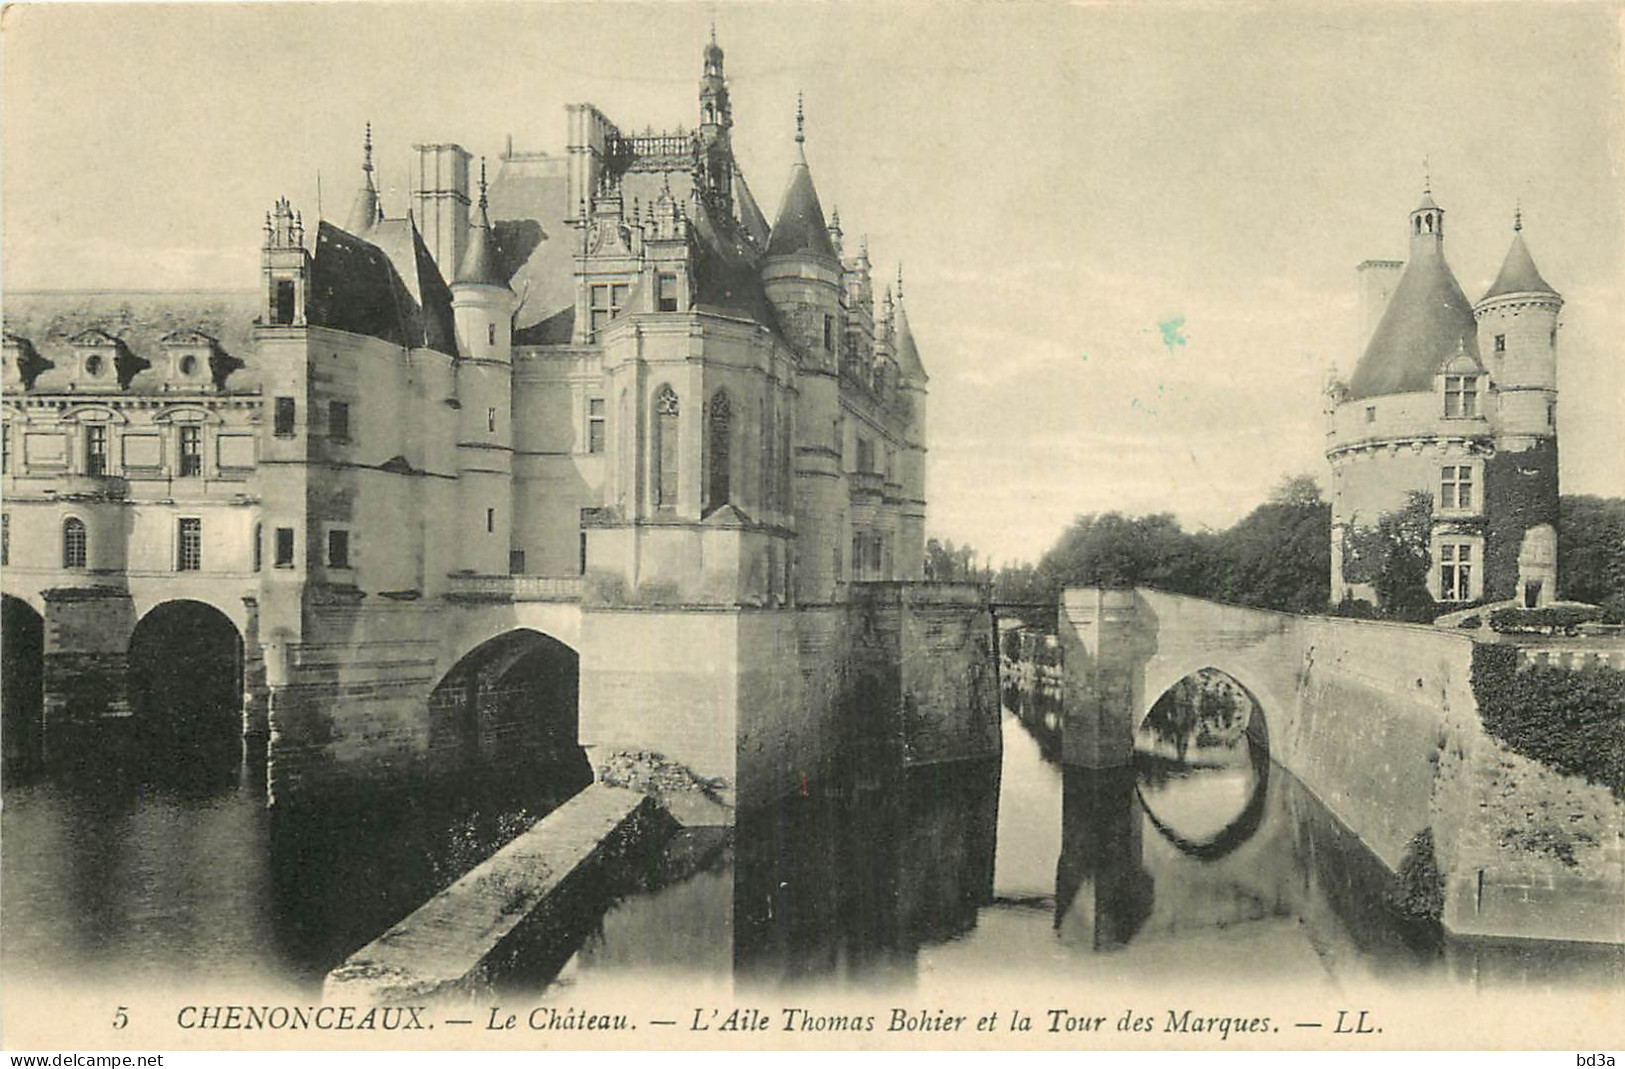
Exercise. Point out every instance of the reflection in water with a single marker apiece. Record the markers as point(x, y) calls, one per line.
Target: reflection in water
point(1012, 870)
point(153, 871)
point(979, 874)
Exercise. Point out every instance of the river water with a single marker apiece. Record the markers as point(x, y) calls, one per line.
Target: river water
point(1209, 860)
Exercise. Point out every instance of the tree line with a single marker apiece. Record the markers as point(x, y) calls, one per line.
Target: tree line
point(1279, 557)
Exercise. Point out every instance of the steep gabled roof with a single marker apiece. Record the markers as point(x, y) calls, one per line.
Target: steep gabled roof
point(800, 229)
point(385, 286)
point(1427, 320)
point(750, 214)
point(727, 279)
point(1518, 273)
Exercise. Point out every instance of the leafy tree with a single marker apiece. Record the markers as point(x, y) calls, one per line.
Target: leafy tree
point(1394, 558)
point(1591, 549)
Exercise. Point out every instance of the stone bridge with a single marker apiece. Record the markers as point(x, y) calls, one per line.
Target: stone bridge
point(1379, 721)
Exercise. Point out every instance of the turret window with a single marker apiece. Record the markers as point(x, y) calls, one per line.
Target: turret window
point(490, 334)
point(74, 543)
point(1456, 487)
point(1460, 396)
point(1500, 343)
point(338, 549)
point(1455, 571)
point(284, 417)
point(338, 421)
point(284, 547)
point(667, 286)
point(282, 302)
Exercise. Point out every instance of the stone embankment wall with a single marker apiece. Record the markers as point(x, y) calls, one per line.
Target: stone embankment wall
point(1379, 720)
point(470, 937)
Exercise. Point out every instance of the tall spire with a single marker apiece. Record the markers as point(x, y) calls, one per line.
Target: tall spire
point(1517, 215)
point(365, 210)
point(899, 281)
point(801, 121)
point(479, 265)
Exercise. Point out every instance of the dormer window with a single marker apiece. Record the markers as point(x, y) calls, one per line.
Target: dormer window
point(1460, 396)
point(94, 365)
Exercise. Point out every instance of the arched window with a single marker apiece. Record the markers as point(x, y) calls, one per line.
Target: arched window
point(1418, 224)
point(720, 449)
point(665, 447)
point(1429, 218)
point(73, 542)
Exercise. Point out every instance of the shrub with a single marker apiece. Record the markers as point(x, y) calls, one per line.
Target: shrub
point(1557, 619)
point(1571, 719)
point(1420, 889)
point(1473, 622)
point(1355, 609)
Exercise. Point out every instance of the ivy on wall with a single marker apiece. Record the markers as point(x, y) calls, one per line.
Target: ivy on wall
point(1571, 719)
point(1520, 492)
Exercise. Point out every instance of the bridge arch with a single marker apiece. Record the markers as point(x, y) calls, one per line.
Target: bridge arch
point(185, 683)
point(511, 701)
point(22, 683)
point(1202, 763)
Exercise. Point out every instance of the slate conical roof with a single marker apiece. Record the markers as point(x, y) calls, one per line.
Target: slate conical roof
point(1518, 273)
point(1427, 321)
point(908, 354)
point(800, 229)
point(750, 216)
point(480, 265)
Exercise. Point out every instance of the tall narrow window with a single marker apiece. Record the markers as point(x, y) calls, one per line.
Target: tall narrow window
point(607, 301)
point(1500, 343)
point(258, 550)
point(1371, 413)
point(338, 549)
point(769, 492)
point(283, 427)
point(284, 547)
point(721, 449)
point(490, 521)
point(191, 450)
point(282, 302)
point(491, 420)
point(1460, 396)
point(1456, 487)
point(1551, 413)
point(1455, 571)
point(857, 558)
point(338, 421)
point(829, 333)
point(491, 334)
point(582, 564)
point(5, 538)
point(666, 447)
point(96, 449)
point(73, 543)
point(595, 425)
point(5, 449)
point(189, 546)
point(668, 293)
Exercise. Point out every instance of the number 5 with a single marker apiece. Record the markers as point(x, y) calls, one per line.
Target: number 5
point(120, 1018)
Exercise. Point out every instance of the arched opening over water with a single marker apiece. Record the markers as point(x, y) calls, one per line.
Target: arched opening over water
point(22, 685)
point(512, 702)
point(1201, 762)
point(186, 687)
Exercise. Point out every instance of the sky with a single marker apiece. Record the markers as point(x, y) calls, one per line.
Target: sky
point(1128, 232)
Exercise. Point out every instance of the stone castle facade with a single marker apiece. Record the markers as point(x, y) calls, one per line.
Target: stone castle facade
point(598, 398)
point(1456, 400)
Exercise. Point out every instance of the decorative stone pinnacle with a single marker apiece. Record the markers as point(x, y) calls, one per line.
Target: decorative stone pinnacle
point(899, 280)
point(1517, 216)
point(801, 120)
point(366, 152)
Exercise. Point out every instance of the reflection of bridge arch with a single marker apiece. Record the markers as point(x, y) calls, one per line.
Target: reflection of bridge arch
point(186, 680)
point(510, 700)
point(22, 683)
point(1191, 693)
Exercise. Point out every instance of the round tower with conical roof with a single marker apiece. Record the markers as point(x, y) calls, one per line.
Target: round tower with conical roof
point(1451, 403)
point(482, 307)
point(1517, 333)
